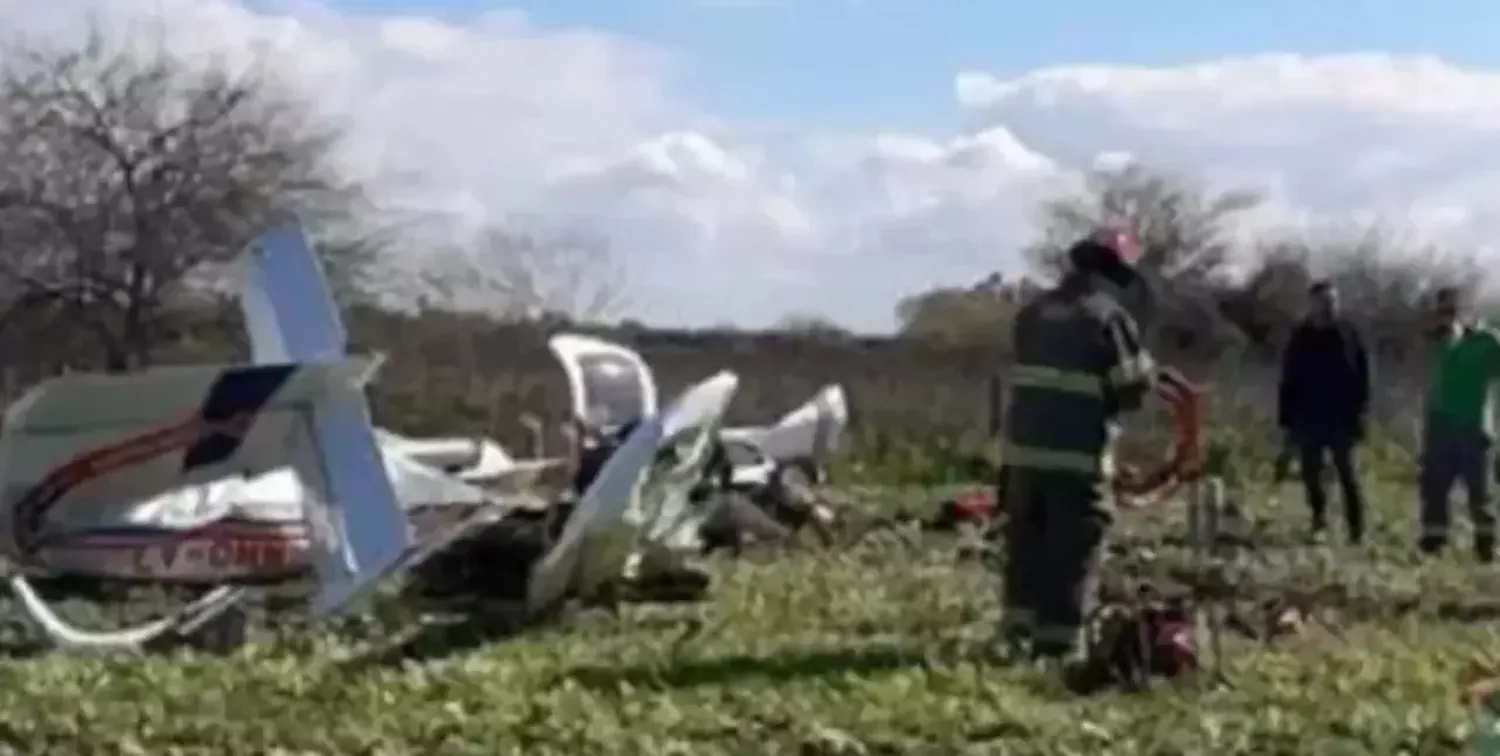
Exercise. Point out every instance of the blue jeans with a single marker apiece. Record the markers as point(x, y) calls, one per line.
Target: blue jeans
point(1455, 456)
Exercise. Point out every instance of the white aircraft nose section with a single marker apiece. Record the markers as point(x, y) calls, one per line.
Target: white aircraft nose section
point(609, 384)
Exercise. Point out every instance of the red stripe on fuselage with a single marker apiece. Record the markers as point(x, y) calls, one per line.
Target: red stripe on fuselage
point(32, 506)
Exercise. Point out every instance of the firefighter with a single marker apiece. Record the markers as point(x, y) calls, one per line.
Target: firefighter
point(1079, 365)
point(1458, 426)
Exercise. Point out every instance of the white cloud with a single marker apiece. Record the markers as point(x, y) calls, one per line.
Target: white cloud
point(1410, 141)
point(491, 117)
point(1332, 135)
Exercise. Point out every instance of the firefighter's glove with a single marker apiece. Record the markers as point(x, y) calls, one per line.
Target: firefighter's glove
point(1166, 374)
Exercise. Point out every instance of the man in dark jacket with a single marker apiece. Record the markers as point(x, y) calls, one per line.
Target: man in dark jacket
point(1323, 403)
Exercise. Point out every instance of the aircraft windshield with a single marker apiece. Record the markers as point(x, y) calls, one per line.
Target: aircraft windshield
point(612, 389)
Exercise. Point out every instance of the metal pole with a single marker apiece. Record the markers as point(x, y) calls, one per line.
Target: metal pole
point(1197, 560)
point(537, 432)
point(996, 405)
point(1214, 506)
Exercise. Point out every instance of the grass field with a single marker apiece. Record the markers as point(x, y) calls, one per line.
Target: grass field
point(870, 650)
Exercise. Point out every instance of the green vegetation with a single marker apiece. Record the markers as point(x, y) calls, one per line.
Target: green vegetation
point(871, 649)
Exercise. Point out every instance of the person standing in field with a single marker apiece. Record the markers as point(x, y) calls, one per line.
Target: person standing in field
point(1323, 402)
point(1079, 365)
point(1458, 425)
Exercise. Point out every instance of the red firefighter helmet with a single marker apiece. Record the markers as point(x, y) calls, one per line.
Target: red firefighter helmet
point(1110, 250)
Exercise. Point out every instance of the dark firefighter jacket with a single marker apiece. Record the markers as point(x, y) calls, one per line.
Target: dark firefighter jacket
point(1324, 391)
point(1079, 364)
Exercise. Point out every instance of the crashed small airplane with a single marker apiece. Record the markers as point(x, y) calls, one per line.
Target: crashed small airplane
point(227, 476)
point(233, 477)
point(223, 475)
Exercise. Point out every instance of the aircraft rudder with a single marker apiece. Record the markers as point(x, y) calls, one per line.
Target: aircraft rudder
point(289, 309)
point(360, 530)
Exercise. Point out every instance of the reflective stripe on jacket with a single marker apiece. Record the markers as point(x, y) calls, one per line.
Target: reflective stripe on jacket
point(1078, 365)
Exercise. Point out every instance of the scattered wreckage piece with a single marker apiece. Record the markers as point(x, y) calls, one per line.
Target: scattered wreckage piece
point(759, 483)
point(231, 478)
point(476, 461)
point(649, 534)
point(611, 385)
point(624, 544)
point(637, 521)
point(803, 440)
point(729, 487)
point(773, 474)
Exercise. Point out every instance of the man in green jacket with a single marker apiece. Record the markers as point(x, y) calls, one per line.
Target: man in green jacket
point(1079, 365)
point(1459, 425)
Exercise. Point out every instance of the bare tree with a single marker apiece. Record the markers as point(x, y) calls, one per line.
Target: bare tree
point(1185, 238)
point(1385, 283)
point(531, 275)
point(127, 178)
point(1183, 228)
point(357, 246)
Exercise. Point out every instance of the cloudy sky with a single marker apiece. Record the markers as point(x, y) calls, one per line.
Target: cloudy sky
point(750, 158)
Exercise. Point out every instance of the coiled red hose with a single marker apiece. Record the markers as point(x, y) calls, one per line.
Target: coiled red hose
point(1185, 461)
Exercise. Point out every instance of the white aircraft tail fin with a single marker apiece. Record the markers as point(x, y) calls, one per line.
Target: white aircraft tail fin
point(75, 456)
point(360, 533)
point(290, 313)
point(358, 528)
point(80, 451)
